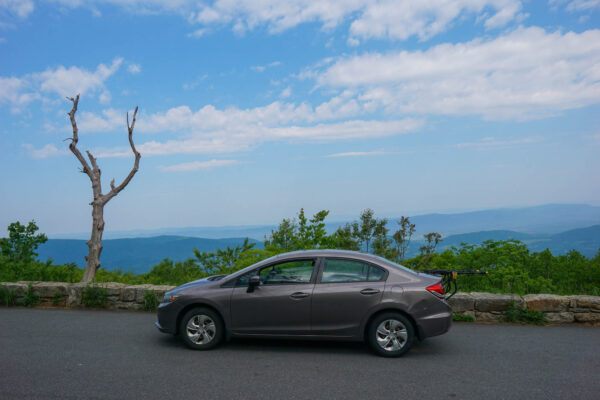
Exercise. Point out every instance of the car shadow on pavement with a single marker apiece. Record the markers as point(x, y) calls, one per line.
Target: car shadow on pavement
point(257, 345)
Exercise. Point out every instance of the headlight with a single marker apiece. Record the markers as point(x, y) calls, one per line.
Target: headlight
point(169, 298)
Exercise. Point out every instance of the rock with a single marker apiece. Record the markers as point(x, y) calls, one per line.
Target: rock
point(487, 317)
point(113, 289)
point(546, 302)
point(48, 289)
point(591, 302)
point(74, 292)
point(560, 317)
point(18, 288)
point(462, 302)
point(486, 302)
point(128, 293)
point(587, 317)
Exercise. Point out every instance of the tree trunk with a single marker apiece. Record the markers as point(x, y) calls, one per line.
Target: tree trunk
point(100, 200)
point(94, 244)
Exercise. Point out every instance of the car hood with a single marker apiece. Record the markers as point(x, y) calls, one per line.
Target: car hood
point(193, 284)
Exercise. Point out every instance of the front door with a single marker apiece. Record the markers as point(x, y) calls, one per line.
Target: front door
point(280, 304)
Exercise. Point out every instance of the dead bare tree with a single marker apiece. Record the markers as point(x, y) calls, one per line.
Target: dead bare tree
point(100, 200)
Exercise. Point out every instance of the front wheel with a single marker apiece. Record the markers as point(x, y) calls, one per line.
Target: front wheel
point(391, 335)
point(201, 329)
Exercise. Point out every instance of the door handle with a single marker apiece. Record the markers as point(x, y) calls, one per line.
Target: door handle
point(299, 295)
point(369, 291)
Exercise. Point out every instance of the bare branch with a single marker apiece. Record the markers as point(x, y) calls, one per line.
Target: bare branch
point(112, 184)
point(75, 138)
point(115, 190)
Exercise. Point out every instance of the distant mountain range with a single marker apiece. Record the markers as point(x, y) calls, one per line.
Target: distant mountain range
point(136, 255)
point(140, 254)
point(539, 220)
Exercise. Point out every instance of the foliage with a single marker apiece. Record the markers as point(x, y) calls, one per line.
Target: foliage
point(94, 296)
point(524, 315)
point(402, 238)
point(511, 267)
point(150, 301)
point(8, 296)
point(30, 297)
point(17, 251)
point(463, 317)
point(57, 298)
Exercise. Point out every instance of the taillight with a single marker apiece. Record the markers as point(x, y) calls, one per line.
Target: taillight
point(437, 288)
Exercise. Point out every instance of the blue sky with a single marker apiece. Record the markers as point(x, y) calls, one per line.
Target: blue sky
point(250, 110)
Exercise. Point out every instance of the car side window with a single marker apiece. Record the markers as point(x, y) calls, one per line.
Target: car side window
point(338, 270)
point(290, 272)
point(285, 273)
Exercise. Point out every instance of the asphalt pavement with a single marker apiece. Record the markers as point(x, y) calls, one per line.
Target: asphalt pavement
point(78, 354)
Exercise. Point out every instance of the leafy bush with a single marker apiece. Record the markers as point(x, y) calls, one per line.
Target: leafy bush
point(94, 296)
point(463, 317)
point(30, 298)
point(8, 297)
point(524, 315)
point(150, 301)
point(57, 298)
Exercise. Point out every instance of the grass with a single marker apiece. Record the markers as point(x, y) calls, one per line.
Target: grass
point(150, 301)
point(463, 317)
point(94, 296)
point(30, 298)
point(523, 315)
point(8, 297)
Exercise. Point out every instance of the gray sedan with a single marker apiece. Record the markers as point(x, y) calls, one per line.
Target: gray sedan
point(320, 294)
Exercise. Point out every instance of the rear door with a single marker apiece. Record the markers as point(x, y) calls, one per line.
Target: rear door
point(345, 292)
point(280, 304)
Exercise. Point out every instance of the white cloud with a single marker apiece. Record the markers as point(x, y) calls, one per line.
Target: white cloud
point(134, 68)
point(48, 150)
point(285, 93)
point(20, 8)
point(384, 19)
point(526, 73)
point(490, 143)
point(71, 81)
point(198, 33)
point(199, 165)
point(262, 68)
point(211, 131)
point(61, 81)
point(358, 154)
point(577, 5)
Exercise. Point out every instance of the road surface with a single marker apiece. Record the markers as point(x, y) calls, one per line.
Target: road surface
point(78, 354)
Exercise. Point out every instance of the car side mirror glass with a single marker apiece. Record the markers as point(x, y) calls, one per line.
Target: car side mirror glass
point(253, 282)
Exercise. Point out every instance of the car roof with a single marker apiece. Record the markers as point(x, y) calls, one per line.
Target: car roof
point(330, 253)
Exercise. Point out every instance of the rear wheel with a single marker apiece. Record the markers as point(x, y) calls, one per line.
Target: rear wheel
point(201, 329)
point(391, 334)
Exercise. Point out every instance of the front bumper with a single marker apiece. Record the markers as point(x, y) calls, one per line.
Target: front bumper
point(167, 317)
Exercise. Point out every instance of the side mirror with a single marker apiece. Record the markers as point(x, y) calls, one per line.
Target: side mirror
point(253, 282)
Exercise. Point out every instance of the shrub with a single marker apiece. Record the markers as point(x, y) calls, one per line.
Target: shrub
point(8, 297)
point(94, 296)
point(30, 298)
point(150, 301)
point(463, 317)
point(524, 315)
point(57, 298)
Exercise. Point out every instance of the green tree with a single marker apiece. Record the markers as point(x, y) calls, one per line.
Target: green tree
point(402, 238)
point(18, 250)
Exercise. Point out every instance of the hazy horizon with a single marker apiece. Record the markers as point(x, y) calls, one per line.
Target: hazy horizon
point(251, 110)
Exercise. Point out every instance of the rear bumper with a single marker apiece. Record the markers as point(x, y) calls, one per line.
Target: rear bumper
point(434, 325)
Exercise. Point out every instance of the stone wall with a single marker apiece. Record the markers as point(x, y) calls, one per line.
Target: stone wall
point(557, 309)
point(485, 307)
point(60, 294)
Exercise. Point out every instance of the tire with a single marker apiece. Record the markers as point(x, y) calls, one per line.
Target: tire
point(391, 334)
point(201, 329)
